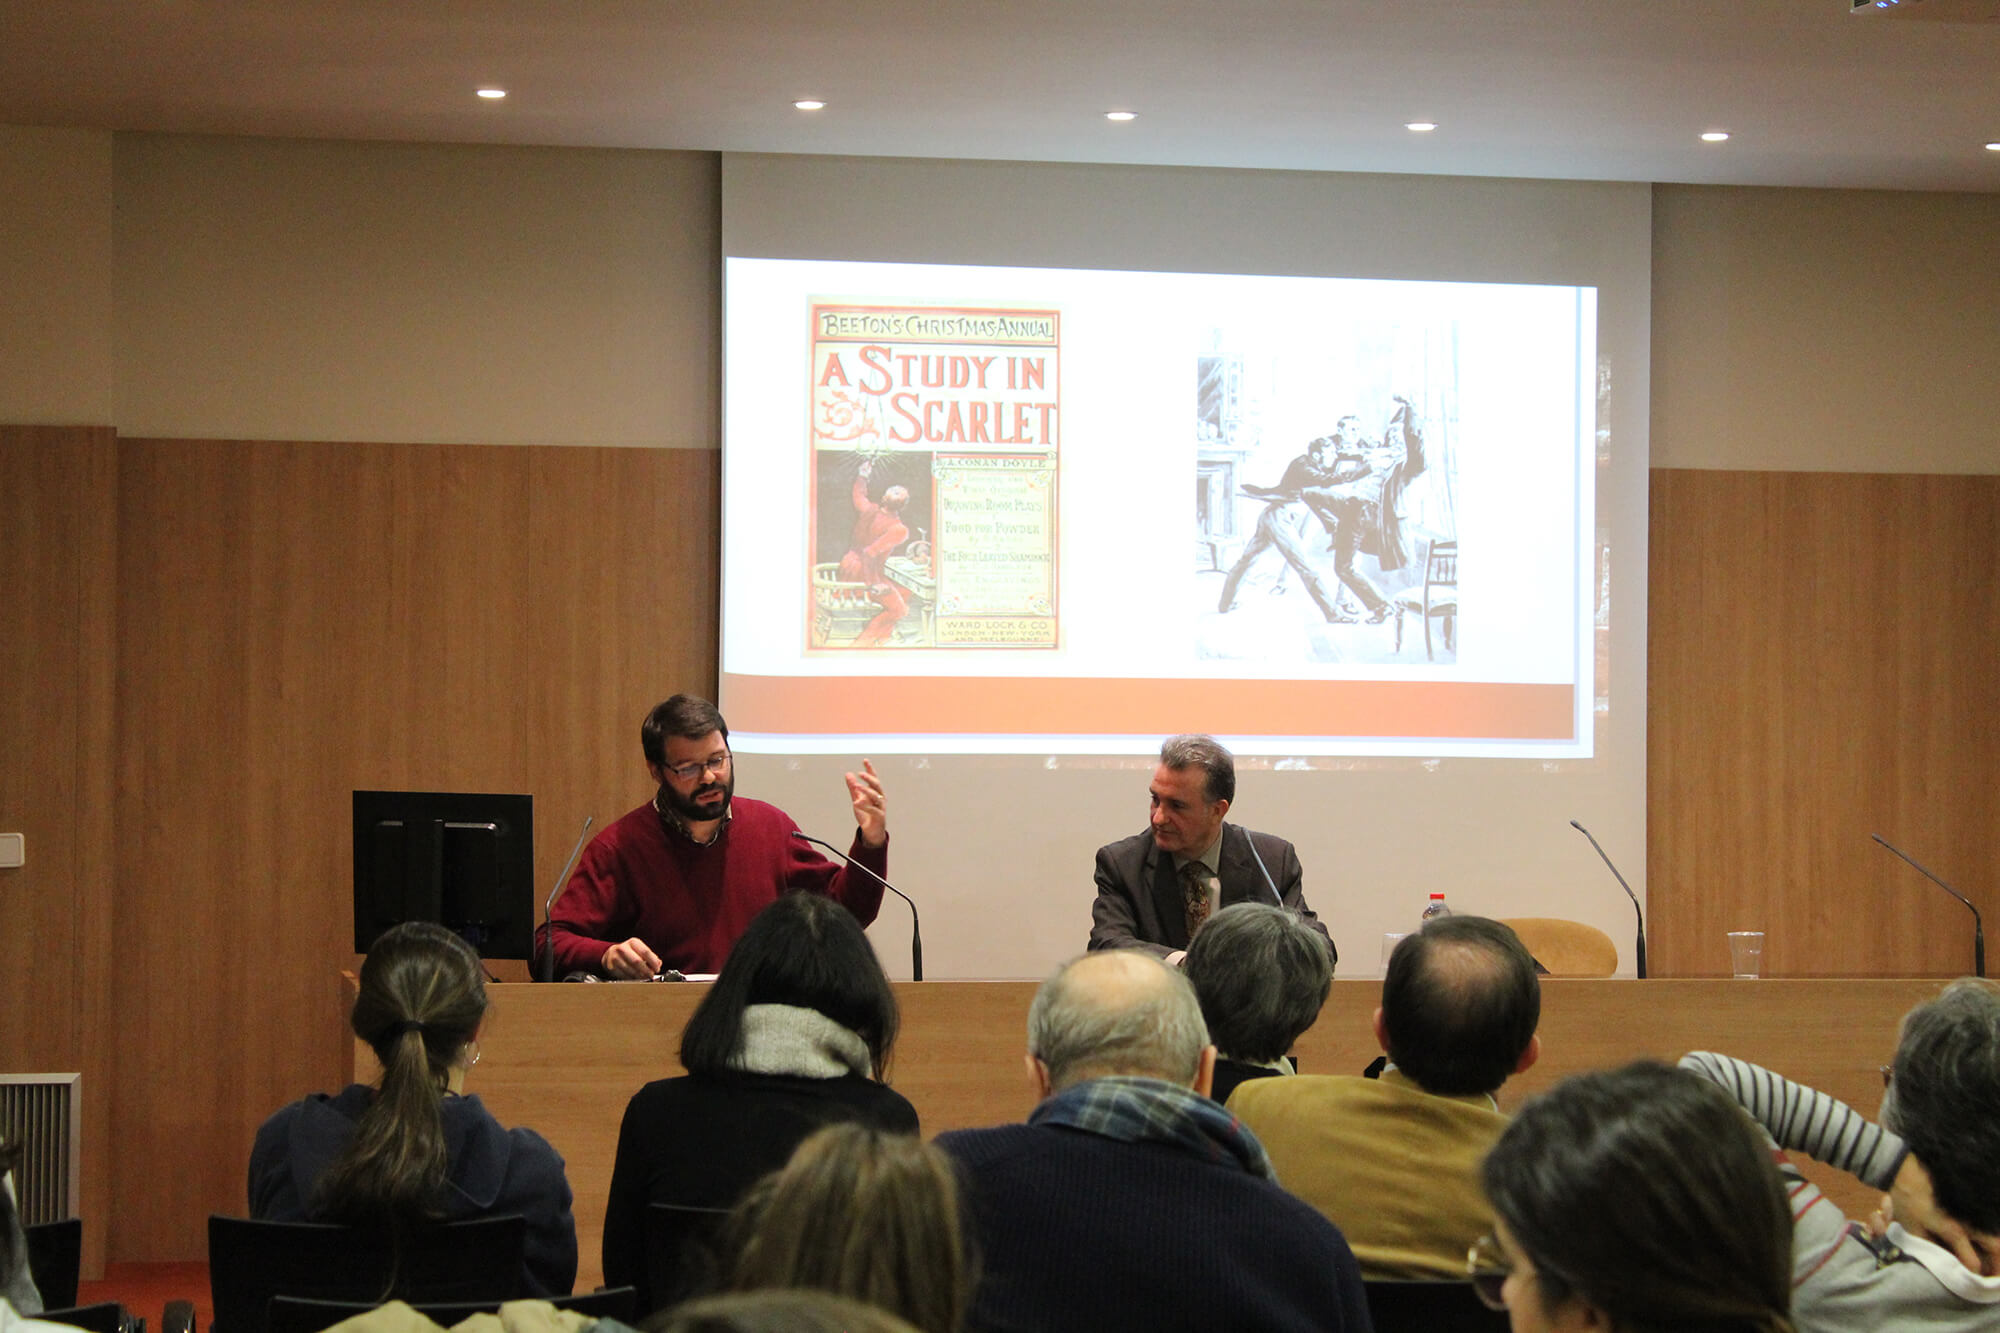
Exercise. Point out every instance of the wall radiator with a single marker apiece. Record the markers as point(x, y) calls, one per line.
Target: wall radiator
point(43, 1113)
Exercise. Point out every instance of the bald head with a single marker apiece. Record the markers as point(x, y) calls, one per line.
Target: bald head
point(1117, 1011)
point(1460, 1005)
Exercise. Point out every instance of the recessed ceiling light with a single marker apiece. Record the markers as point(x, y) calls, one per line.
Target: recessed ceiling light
point(1715, 136)
point(1121, 115)
point(492, 94)
point(810, 104)
point(1421, 126)
point(1993, 147)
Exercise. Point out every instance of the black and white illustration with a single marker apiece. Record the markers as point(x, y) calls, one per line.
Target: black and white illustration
point(1337, 544)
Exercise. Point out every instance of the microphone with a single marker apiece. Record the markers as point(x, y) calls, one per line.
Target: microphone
point(1628, 893)
point(1276, 897)
point(1978, 926)
point(562, 882)
point(916, 930)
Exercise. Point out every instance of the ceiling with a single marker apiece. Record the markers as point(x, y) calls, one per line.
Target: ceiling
point(1588, 89)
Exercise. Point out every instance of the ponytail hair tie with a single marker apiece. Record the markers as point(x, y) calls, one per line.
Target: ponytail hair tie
point(407, 1026)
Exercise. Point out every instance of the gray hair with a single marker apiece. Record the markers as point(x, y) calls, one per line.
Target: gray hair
point(1119, 1011)
point(1261, 974)
point(1944, 1098)
point(1205, 753)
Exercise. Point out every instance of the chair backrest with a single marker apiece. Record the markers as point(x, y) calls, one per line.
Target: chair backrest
point(1566, 948)
point(103, 1317)
point(298, 1314)
point(1430, 1307)
point(680, 1253)
point(249, 1262)
point(55, 1255)
point(1441, 571)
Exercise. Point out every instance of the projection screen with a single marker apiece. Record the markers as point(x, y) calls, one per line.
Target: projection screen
point(1029, 466)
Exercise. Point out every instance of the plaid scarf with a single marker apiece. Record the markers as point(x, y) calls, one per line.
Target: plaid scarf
point(1151, 1110)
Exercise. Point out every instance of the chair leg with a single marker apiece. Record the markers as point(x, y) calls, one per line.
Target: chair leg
point(1429, 656)
point(1399, 627)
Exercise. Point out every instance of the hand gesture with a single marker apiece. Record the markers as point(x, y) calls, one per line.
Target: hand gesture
point(871, 806)
point(631, 961)
point(1911, 1202)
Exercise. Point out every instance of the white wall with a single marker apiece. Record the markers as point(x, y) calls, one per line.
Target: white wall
point(56, 364)
point(1826, 330)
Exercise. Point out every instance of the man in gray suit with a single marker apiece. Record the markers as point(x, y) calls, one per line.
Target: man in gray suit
point(1156, 888)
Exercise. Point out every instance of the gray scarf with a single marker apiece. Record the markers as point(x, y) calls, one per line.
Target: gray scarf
point(786, 1039)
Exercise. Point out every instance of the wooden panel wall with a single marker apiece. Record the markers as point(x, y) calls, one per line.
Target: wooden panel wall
point(1824, 663)
point(293, 621)
point(296, 621)
point(58, 546)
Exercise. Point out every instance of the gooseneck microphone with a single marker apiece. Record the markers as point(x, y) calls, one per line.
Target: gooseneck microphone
point(1251, 839)
point(916, 930)
point(1978, 926)
point(1641, 916)
point(549, 907)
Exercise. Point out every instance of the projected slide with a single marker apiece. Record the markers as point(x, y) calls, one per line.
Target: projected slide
point(1044, 510)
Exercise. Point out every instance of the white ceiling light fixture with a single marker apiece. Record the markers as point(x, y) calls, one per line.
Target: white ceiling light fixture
point(1420, 126)
point(1715, 136)
point(1993, 147)
point(1121, 116)
point(810, 104)
point(492, 94)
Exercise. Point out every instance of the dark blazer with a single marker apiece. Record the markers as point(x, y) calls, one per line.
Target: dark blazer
point(1079, 1233)
point(1139, 903)
point(489, 1170)
point(704, 1139)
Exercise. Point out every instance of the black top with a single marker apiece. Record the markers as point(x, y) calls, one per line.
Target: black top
point(489, 1171)
point(1082, 1232)
point(1229, 1073)
point(703, 1140)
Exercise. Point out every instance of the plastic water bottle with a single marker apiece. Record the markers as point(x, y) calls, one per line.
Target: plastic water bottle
point(1436, 907)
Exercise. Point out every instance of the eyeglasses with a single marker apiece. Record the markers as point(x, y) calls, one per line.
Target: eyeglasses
point(694, 772)
point(1487, 1268)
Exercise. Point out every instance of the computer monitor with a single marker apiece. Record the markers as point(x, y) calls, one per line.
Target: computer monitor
point(463, 859)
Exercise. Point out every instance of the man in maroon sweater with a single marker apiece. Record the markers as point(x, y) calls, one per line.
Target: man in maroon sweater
point(673, 883)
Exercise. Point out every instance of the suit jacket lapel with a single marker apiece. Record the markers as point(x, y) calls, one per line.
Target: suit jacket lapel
point(1241, 881)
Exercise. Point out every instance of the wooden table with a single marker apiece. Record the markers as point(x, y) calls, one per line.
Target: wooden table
point(564, 1059)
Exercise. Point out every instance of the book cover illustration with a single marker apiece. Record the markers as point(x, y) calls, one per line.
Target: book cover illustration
point(935, 435)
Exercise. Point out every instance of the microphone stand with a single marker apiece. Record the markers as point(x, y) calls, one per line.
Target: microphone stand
point(1640, 916)
point(1978, 926)
point(549, 907)
point(916, 930)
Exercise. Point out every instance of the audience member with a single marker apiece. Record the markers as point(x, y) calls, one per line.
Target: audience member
point(862, 1213)
point(1130, 1199)
point(776, 1312)
point(415, 1149)
point(1394, 1161)
point(1635, 1199)
point(1931, 1257)
point(794, 1034)
point(1261, 975)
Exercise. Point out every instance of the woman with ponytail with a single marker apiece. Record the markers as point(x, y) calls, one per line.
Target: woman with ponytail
point(414, 1150)
point(1638, 1200)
